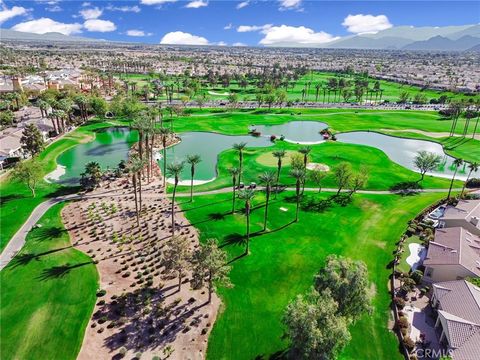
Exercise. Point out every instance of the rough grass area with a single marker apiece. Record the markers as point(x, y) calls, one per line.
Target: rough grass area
point(48, 295)
point(284, 259)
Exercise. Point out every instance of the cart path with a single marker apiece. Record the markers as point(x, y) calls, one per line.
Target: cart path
point(17, 242)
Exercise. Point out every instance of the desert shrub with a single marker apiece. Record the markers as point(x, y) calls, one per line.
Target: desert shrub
point(101, 293)
point(409, 343)
point(417, 276)
point(402, 322)
point(399, 302)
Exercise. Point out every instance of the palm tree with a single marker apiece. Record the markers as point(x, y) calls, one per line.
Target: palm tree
point(299, 175)
point(134, 168)
point(174, 170)
point(267, 179)
point(247, 195)
point(279, 154)
point(164, 133)
point(456, 163)
point(472, 167)
point(234, 172)
point(192, 160)
point(240, 147)
point(305, 151)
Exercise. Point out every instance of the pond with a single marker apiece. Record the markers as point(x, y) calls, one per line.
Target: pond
point(403, 151)
point(108, 149)
point(298, 132)
point(112, 145)
point(208, 145)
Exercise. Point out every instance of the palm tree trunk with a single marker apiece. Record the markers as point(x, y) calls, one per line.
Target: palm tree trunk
point(140, 190)
point(247, 249)
point(475, 128)
point(266, 208)
point(451, 183)
point(164, 162)
point(465, 183)
point(210, 288)
point(179, 280)
point(191, 183)
point(134, 181)
point(173, 208)
point(298, 200)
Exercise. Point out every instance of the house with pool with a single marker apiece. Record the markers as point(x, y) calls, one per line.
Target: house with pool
point(453, 254)
point(456, 306)
point(466, 214)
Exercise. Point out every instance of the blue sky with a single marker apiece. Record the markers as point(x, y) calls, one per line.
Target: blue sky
point(229, 22)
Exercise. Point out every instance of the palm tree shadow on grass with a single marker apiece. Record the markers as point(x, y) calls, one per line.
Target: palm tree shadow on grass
point(201, 206)
point(49, 232)
point(24, 259)
point(279, 355)
point(4, 199)
point(56, 272)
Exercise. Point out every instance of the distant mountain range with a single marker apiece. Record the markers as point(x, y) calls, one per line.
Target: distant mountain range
point(446, 38)
point(6, 34)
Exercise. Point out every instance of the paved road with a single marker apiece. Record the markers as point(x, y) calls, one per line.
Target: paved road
point(18, 240)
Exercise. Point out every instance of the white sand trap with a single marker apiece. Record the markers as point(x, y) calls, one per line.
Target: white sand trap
point(283, 209)
point(417, 255)
point(56, 174)
point(318, 166)
point(218, 94)
point(304, 142)
point(188, 182)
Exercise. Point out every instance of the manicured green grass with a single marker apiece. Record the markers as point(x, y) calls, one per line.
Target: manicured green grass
point(403, 266)
point(391, 90)
point(236, 122)
point(383, 173)
point(283, 261)
point(48, 295)
point(17, 202)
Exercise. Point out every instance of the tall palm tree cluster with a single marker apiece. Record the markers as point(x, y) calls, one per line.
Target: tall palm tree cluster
point(469, 110)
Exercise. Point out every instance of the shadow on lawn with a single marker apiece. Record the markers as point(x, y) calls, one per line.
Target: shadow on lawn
point(4, 199)
point(24, 259)
point(56, 272)
point(279, 355)
point(49, 232)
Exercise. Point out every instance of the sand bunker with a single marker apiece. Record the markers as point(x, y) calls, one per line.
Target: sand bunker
point(318, 166)
point(56, 174)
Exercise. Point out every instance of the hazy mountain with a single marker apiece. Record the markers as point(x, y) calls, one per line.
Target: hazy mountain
point(445, 38)
point(441, 43)
point(6, 34)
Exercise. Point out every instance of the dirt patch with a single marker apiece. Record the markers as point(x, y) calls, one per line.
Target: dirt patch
point(142, 313)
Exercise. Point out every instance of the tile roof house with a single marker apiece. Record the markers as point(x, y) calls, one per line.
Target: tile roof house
point(465, 214)
point(458, 322)
point(454, 254)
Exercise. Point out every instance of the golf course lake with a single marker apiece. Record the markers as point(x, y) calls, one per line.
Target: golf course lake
point(112, 145)
point(109, 147)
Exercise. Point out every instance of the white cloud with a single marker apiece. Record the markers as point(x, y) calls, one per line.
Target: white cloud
point(221, 43)
point(195, 4)
point(137, 33)
point(292, 36)
point(239, 44)
point(44, 25)
point(243, 4)
point(93, 13)
point(7, 14)
point(54, 8)
point(85, 4)
point(98, 25)
point(156, 2)
point(134, 9)
point(182, 38)
point(360, 24)
point(228, 27)
point(290, 4)
point(250, 28)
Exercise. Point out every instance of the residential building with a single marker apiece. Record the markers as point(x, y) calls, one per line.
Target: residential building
point(457, 304)
point(466, 214)
point(454, 254)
